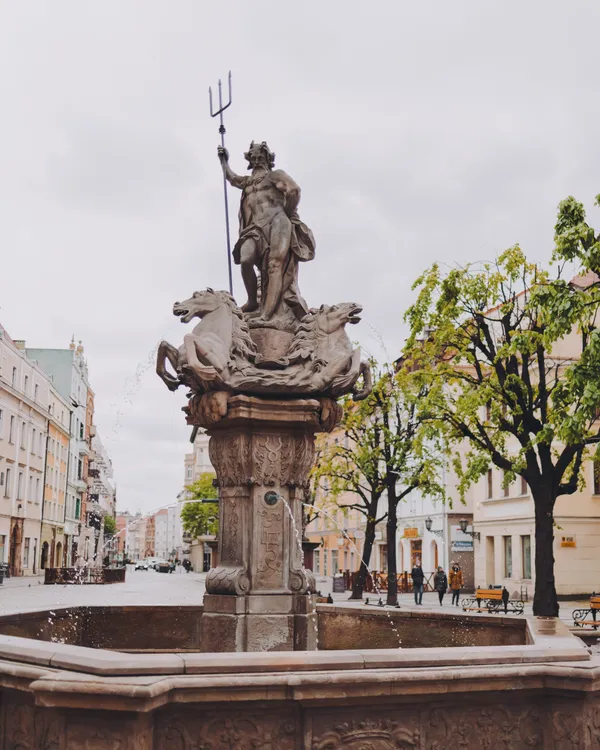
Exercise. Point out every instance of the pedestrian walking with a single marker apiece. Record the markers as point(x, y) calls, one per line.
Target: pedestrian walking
point(440, 583)
point(418, 577)
point(456, 582)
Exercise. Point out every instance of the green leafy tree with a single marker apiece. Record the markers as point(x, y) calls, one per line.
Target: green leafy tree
point(384, 451)
point(201, 518)
point(110, 526)
point(482, 340)
point(203, 488)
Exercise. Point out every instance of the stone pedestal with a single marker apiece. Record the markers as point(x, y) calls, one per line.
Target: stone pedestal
point(259, 597)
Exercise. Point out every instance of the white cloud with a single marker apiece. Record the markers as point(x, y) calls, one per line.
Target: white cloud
point(418, 132)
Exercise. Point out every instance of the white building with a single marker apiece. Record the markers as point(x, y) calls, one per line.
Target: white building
point(168, 533)
point(197, 462)
point(102, 493)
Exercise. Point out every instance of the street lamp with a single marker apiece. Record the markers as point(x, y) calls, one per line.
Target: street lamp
point(463, 523)
point(429, 524)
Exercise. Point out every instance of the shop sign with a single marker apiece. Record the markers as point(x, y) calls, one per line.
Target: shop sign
point(568, 541)
point(411, 533)
point(459, 541)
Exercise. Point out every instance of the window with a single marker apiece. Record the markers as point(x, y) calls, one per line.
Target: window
point(81, 430)
point(26, 390)
point(35, 392)
point(507, 542)
point(526, 555)
point(524, 487)
point(78, 508)
point(2, 547)
point(488, 411)
point(490, 484)
point(596, 477)
point(1, 424)
point(13, 382)
point(189, 473)
point(37, 490)
point(23, 434)
point(317, 562)
point(11, 430)
point(20, 486)
point(1, 483)
point(506, 486)
point(79, 468)
point(26, 552)
point(7, 486)
point(334, 562)
point(32, 439)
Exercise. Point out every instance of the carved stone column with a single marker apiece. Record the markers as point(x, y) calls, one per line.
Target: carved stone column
point(259, 597)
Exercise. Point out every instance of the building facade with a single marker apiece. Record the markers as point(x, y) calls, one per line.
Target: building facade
point(198, 461)
point(24, 408)
point(69, 373)
point(54, 549)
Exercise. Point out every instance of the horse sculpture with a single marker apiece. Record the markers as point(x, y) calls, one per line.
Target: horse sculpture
point(219, 344)
point(220, 355)
point(322, 342)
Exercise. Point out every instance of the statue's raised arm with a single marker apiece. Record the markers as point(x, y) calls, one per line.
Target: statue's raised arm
point(272, 238)
point(237, 180)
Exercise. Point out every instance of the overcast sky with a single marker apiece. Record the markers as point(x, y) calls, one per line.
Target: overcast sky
point(418, 132)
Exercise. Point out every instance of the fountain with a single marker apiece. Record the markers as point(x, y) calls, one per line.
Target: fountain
point(242, 672)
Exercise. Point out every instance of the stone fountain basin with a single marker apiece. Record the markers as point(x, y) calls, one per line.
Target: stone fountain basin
point(505, 681)
point(177, 628)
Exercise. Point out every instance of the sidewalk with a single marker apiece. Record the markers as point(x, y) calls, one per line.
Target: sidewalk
point(431, 604)
point(17, 581)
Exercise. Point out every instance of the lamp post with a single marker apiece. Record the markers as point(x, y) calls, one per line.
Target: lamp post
point(429, 524)
point(463, 523)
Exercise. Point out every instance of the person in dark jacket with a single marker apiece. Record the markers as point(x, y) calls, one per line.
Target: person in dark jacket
point(456, 582)
point(440, 583)
point(418, 577)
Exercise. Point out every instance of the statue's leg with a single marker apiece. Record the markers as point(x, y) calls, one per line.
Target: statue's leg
point(279, 247)
point(194, 350)
point(248, 259)
point(167, 351)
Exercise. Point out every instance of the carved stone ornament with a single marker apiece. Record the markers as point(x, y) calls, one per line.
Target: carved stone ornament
point(274, 344)
point(368, 734)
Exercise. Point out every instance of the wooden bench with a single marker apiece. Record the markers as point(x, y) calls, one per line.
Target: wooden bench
point(583, 617)
point(492, 600)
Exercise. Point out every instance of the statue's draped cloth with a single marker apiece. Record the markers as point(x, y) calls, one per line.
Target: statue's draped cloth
point(302, 244)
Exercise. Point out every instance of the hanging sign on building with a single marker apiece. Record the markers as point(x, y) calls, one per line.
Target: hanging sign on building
point(459, 541)
point(568, 541)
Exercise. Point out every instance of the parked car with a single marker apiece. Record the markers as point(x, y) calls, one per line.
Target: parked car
point(163, 566)
point(141, 565)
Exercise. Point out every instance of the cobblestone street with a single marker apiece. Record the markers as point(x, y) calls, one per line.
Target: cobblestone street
point(141, 587)
point(148, 587)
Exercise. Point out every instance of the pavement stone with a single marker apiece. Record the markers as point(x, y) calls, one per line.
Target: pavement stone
point(27, 594)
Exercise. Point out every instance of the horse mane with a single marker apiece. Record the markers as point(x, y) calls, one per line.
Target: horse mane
point(242, 344)
point(304, 344)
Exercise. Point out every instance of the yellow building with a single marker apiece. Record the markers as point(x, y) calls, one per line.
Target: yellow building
point(53, 551)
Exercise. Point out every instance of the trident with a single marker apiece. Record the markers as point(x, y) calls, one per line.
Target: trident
point(219, 112)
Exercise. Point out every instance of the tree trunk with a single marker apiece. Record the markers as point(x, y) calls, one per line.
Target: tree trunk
point(359, 582)
point(392, 566)
point(545, 601)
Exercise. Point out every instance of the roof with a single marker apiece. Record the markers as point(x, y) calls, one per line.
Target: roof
point(585, 280)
